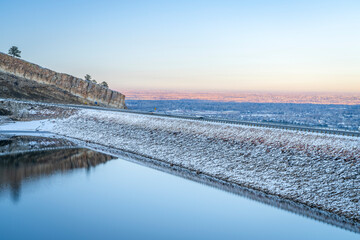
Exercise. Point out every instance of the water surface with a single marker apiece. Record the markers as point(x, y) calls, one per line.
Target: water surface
point(82, 194)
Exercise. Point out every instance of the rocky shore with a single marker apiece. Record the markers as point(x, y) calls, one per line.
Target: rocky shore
point(317, 170)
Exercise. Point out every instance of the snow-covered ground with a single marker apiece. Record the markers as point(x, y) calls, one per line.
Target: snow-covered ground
point(318, 170)
point(37, 125)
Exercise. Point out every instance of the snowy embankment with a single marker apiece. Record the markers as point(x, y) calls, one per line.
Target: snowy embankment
point(318, 170)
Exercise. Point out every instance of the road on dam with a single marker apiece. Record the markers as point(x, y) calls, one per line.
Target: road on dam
point(236, 122)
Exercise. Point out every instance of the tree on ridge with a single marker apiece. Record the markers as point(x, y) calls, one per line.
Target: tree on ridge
point(104, 84)
point(14, 51)
point(87, 77)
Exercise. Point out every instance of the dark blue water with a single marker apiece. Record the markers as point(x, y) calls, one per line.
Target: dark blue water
point(124, 200)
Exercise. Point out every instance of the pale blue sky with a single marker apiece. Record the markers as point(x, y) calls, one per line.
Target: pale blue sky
point(195, 45)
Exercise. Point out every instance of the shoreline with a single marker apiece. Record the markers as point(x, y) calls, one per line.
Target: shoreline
point(225, 185)
point(195, 147)
point(211, 181)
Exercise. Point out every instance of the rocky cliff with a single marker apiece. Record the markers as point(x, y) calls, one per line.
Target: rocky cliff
point(85, 91)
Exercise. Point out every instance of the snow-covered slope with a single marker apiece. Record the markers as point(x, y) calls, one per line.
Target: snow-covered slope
point(315, 169)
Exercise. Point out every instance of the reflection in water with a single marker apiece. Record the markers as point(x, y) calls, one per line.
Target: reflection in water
point(41, 157)
point(298, 208)
point(59, 156)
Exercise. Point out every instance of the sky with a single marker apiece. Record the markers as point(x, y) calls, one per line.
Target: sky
point(192, 45)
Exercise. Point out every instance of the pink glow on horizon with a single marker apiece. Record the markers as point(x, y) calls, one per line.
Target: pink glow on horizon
point(257, 97)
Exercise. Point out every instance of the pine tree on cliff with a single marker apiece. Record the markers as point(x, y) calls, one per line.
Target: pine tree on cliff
point(14, 51)
point(104, 84)
point(87, 77)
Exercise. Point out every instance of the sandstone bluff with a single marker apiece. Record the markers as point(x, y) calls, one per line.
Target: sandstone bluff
point(24, 80)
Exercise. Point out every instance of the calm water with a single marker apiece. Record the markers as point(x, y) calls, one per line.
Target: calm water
point(83, 198)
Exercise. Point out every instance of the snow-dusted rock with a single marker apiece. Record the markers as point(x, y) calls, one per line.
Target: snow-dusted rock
point(318, 170)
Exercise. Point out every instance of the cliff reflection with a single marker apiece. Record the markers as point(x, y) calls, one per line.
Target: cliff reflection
point(16, 168)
